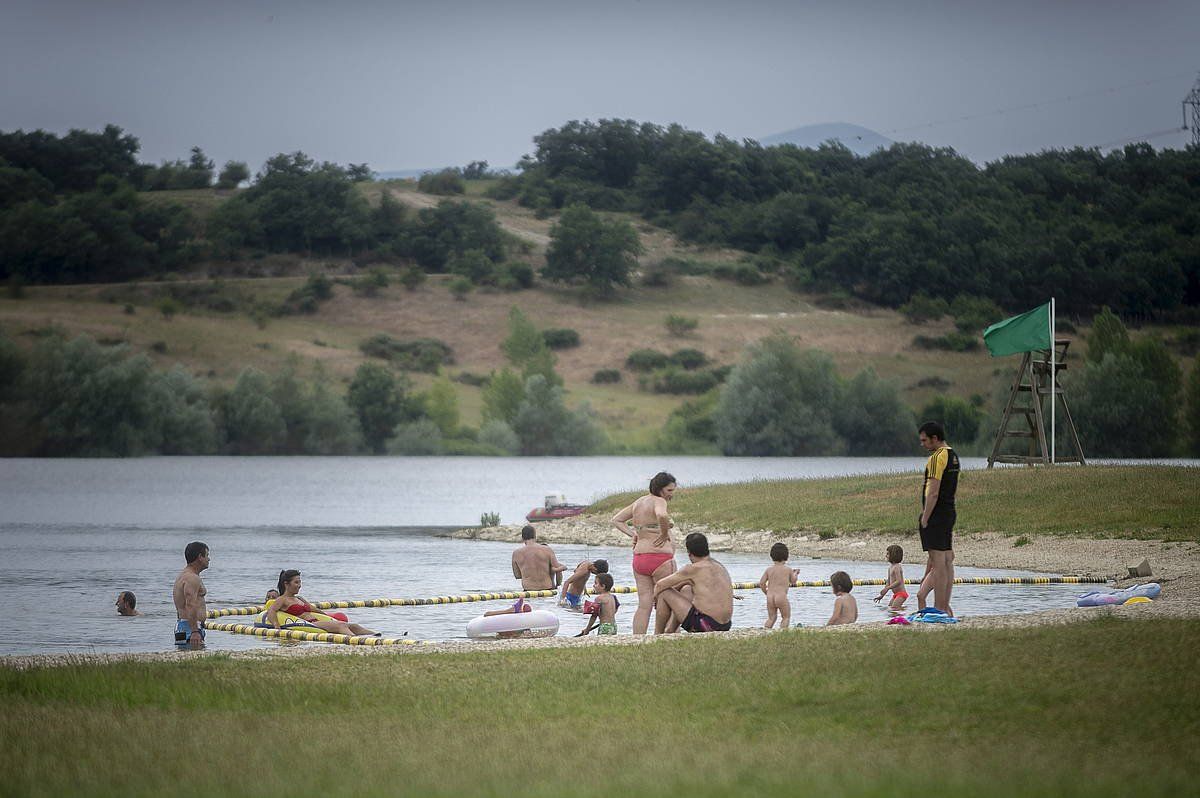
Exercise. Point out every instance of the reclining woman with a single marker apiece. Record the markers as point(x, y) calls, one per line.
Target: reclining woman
point(291, 602)
point(653, 548)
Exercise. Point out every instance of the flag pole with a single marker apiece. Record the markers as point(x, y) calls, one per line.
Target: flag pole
point(1053, 381)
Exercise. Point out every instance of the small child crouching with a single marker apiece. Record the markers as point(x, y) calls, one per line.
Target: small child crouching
point(845, 608)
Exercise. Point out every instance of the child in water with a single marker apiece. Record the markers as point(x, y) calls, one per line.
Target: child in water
point(774, 584)
point(895, 581)
point(845, 608)
point(603, 609)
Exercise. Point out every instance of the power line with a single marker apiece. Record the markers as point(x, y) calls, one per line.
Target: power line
point(1039, 104)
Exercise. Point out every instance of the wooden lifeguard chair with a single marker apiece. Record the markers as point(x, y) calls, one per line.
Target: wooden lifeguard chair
point(1035, 381)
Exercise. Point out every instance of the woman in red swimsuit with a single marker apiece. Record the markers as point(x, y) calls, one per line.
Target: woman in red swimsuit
point(291, 602)
point(653, 548)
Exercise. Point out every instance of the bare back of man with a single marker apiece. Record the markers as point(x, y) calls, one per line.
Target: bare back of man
point(536, 566)
point(710, 607)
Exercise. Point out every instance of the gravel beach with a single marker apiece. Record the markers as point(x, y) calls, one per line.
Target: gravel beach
point(1176, 566)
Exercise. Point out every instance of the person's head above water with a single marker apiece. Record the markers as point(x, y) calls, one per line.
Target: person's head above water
point(697, 544)
point(126, 603)
point(528, 532)
point(286, 578)
point(196, 552)
point(272, 594)
point(660, 481)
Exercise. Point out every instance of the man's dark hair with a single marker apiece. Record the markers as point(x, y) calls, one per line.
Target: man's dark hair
point(601, 566)
point(606, 580)
point(193, 550)
point(840, 580)
point(895, 553)
point(660, 481)
point(129, 599)
point(697, 544)
point(933, 429)
point(528, 532)
point(779, 552)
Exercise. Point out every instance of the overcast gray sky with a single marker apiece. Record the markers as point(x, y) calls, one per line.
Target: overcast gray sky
point(421, 84)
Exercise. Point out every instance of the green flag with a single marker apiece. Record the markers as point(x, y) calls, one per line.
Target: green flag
point(1028, 332)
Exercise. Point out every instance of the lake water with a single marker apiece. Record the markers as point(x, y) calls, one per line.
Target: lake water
point(75, 532)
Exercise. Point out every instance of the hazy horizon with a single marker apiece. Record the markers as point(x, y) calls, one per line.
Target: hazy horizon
point(409, 86)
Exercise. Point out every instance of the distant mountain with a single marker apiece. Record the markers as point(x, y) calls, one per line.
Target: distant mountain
point(404, 174)
point(857, 139)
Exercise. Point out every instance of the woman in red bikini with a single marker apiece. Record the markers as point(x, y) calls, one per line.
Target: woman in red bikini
point(653, 548)
point(291, 602)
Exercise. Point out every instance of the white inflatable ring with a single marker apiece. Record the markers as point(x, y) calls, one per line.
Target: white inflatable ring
point(539, 623)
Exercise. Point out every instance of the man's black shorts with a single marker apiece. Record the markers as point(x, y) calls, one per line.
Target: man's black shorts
point(939, 533)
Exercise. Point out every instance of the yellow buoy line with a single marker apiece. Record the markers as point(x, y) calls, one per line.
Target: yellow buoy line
point(311, 637)
point(512, 595)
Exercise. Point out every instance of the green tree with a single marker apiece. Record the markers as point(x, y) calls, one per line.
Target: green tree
point(961, 419)
point(1108, 336)
point(254, 423)
point(1119, 411)
point(499, 435)
point(524, 341)
point(420, 438)
point(779, 401)
point(441, 406)
point(12, 366)
point(545, 426)
point(1192, 409)
point(188, 426)
point(585, 247)
point(872, 419)
point(232, 175)
point(542, 364)
point(199, 170)
point(502, 396)
point(330, 426)
point(474, 265)
point(377, 398)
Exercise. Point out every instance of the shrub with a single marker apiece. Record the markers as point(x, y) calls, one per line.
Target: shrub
point(474, 265)
point(419, 354)
point(412, 277)
point(468, 378)
point(676, 381)
point(740, 273)
point(605, 376)
point(681, 325)
point(922, 308)
point(561, 338)
point(489, 519)
point(515, 275)
point(160, 347)
point(973, 313)
point(689, 359)
point(443, 183)
point(656, 276)
point(646, 360)
point(420, 438)
point(307, 297)
point(951, 342)
point(168, 307)
point(460, 287)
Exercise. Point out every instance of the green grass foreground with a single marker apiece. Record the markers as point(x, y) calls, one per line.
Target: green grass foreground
point(1141, 502)
point(1099, 708)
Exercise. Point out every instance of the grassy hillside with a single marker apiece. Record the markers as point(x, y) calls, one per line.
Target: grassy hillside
point(220, 344)
point(1140, 502)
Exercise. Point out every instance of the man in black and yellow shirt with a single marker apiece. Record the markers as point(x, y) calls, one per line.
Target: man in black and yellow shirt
point(938, 516)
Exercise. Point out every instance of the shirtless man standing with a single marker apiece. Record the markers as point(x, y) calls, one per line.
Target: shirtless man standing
point(534, 564)
point(189, 596)
point(575, 585)
point(710, 608)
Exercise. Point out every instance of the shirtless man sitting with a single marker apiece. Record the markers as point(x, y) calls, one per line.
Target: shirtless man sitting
point(710, 607)
point(534, 564)
point(575, 585)
point(189, 596)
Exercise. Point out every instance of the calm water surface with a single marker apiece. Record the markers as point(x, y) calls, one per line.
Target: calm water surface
point(75, 532)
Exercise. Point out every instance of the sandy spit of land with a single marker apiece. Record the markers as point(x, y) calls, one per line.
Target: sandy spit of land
point(1176, 566)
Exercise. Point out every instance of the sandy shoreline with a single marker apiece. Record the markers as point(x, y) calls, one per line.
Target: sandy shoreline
point(1176, 566)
